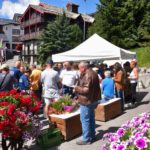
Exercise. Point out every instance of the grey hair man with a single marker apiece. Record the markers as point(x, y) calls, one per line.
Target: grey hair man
point(88, 90)
point(107, 87)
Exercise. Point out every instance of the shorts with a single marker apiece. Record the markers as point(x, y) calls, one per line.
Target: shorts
point(51, 94)
point(48, 101)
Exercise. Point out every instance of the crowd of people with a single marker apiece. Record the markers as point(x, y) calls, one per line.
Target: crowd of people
point(90, 83)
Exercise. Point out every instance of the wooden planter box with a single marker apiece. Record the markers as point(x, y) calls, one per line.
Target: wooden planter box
point(109, 110)
point(69, 124)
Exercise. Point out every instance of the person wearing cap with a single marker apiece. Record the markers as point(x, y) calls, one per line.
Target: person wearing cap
point(51, 85)
point(107, 87)
point(24, 83)
point(6, 79)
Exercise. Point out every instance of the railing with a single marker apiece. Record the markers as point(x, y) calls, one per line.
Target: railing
point(16, 38)
point(32, 21)
point(34, 35)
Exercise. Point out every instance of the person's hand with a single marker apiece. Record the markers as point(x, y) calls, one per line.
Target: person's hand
point(74, 89)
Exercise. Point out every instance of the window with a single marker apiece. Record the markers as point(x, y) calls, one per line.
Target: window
point(16, 31)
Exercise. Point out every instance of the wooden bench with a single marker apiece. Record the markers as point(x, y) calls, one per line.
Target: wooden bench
point(69, 124)
point(108, 110)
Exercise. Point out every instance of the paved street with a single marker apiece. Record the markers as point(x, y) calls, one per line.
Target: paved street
point(109, 126)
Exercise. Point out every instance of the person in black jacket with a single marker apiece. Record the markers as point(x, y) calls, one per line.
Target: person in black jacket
point(6, 79)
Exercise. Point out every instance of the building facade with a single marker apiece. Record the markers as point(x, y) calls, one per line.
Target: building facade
point(36, 18)
point(10, 33)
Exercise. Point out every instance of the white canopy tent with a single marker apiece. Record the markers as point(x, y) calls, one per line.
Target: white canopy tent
point(94, 48)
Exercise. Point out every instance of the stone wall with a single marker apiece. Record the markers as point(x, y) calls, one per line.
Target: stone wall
point(144, 80)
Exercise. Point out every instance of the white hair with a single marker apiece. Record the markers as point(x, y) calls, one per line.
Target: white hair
point(107, 73)
point(84, 63)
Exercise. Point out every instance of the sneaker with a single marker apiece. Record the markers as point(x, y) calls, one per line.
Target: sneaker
point(83, 142)
point(94, 139)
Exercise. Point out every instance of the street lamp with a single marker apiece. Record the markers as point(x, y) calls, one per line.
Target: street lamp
point(84, 26)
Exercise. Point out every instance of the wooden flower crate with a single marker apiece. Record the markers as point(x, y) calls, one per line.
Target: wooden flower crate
point(68, 124)
point(109, 110)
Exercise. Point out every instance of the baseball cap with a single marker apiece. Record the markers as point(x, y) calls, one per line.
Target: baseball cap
point(4, 66)
point(50, 62)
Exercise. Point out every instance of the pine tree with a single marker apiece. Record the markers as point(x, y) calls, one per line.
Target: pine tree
point(107, 20)
point(144, 27)
point(125, 23)
point(57, 37)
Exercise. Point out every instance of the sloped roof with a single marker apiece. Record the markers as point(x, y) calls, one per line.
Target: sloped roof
point(44, 8)
point(87, 18)
point(7, 21)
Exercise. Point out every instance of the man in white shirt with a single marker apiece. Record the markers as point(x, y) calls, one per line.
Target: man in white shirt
point(69, 78)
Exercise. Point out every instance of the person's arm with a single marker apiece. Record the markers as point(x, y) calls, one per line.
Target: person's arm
point(31, 77)
point(102, 85)
point(26, 83)
point(136, 73)
point(42, 77)
point(119, 77)
point(59, 84)
point(61, 76)
point(85, 89)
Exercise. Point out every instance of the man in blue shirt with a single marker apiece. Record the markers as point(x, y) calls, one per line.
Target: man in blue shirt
point(107, 87)
point(15, 71)
point(24, 83)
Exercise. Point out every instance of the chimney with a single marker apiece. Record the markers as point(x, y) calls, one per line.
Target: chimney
point(72, 7)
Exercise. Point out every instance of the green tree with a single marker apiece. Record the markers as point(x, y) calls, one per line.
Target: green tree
point(57, 37)
point(107, 20)
point(144, 27)
point(123, 22)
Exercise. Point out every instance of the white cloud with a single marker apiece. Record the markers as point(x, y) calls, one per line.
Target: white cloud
point(9, 8)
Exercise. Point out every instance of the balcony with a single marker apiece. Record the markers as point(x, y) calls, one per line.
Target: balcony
point(32, 21)
point(31, 36)
point(16, 38)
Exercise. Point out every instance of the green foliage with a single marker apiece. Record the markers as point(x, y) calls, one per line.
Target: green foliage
point(125, 23)
point(10, 99)
point(57, 37)
point(64, 101)
point(126, 135)
point(143, 56)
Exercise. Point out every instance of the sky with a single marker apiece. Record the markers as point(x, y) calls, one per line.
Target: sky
point(9, 7)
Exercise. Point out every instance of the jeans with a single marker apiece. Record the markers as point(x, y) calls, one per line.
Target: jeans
point(119, 94)
point(87, 118)
point(133, 92)
point(67, 90)
point(105, 99)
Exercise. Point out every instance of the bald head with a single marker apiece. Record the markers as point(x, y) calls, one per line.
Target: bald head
point(68, 65)
point(18, 64)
